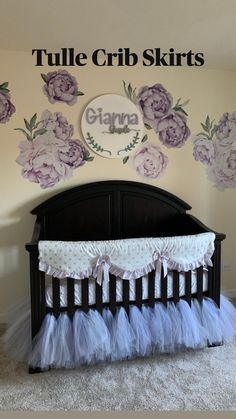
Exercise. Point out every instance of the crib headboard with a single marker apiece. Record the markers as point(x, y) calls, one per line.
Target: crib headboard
point(113, 210)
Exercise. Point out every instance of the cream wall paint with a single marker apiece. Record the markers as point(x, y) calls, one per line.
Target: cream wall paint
point(211, 92)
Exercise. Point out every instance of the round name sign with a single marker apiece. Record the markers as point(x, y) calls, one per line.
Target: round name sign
point(112, 126)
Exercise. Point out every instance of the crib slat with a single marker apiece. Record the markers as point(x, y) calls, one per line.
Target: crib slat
point(126, 295)
point(163, 288)
point(99, 297)
point(56, 296)
point(71, 296)
point(138, 292)
point(175, 286)
point(42, 291)
point(188, 286)
point(112, 293)
point(85, 297)
point(151, 288)
point(200, 283)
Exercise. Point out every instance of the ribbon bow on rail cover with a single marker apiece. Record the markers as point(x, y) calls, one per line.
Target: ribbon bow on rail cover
point(160, 260)
point(101, 269)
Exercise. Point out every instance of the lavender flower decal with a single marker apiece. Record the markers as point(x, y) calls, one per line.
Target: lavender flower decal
point(154, 102)
point(215, 148)
point(173, 130)
point(159, 114)
point(50, 154)
point(58, 124)
point(148, 161)
point(6, 106)
point(168, 121)
point(61, 86)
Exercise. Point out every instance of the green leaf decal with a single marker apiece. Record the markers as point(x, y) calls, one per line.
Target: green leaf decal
point(209, 127)
point(31, 127)
point(36, 125)
point(25, 133)
point(134, 95)
point(179, 109)
point(144, 138)
point(33, 121)
point(4, 89)
point(79, 94)
point(40, 131)
point(207, 122)
point(90, 140)
point(27, 124)
point(126, 92)
point(178, 101)
point(4, 85)
point(214, 129)
point(130, 90)
point(131, 145)
point(186, 102)
point(44, 77)
point(179, 106)
point(147, 126)
point(205, 135)
point(125, 159)
point(89, 158)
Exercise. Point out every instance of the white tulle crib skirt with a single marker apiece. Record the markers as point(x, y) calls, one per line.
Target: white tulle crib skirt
point(90, 338)
point(119, 289)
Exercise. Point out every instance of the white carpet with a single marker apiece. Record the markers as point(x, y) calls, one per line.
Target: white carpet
point(194, 380)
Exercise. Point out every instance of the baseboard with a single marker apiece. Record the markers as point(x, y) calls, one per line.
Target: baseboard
point(3, 327)
point(3, 318)
point(3, 323)
point(230, 293)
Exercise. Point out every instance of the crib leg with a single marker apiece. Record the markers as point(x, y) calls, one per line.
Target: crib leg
point(214, 344)
point(33, 370)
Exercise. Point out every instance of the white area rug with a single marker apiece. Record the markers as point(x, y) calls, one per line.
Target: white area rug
point(194, 380)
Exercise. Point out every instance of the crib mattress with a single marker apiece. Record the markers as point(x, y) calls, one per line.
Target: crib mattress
point(119, 289)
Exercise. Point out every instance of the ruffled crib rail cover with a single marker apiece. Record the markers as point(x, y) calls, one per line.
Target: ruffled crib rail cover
point(127, 258)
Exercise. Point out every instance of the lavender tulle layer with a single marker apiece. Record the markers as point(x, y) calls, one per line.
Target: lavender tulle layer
point(90, 338)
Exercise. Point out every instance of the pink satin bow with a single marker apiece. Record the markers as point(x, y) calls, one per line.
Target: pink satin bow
point(160, 260)
point(101, 270)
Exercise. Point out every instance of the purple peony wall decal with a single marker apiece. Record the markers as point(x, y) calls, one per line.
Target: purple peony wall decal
point(168, 121)
point(173, 130)
point(58, 124)
point(61, 86)
point(214, 147)
point(148, 160)
point(154, 102)
point(156, 106)
point(6, 106)
point(50, 154)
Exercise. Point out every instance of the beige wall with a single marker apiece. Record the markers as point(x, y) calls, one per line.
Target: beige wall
point(211, 92)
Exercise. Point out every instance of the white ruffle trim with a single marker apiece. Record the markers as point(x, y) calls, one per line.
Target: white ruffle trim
point(126, 274)
point(126, 259)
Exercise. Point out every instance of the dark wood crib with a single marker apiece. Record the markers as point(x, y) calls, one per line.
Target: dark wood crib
point(110, 210)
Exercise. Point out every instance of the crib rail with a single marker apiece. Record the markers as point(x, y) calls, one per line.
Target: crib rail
point(57, 306)
point(38, 300)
